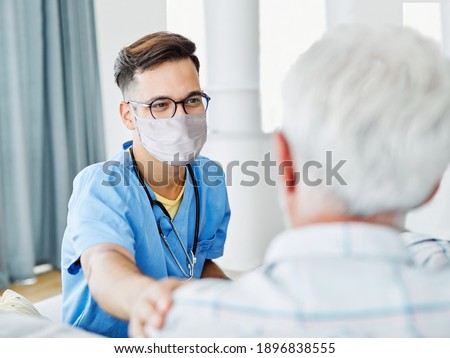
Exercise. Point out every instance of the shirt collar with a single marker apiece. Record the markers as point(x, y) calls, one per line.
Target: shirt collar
point(339, 240)
point(127, 145)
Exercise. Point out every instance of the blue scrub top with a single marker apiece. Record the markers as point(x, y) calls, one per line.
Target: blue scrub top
point(108, 206)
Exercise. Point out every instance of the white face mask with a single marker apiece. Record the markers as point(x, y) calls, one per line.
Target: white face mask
point(175, 141)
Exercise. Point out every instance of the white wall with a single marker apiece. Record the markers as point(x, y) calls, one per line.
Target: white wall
point(433, 20)
point(118, 24)
point(187, 17)
point(425, 18)
point(434, 217)
point(445, 23)
point(286, 32)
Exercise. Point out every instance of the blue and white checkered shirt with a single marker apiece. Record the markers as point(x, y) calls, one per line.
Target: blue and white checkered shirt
point(327, 280)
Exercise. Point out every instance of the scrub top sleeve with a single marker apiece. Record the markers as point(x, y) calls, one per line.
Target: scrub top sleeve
point(97, 215)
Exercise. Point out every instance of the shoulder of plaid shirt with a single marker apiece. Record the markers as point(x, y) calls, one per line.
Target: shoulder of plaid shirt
point(326, 280)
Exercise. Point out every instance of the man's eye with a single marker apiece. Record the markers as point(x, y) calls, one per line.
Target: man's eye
point(193, 101)
point(160, 105)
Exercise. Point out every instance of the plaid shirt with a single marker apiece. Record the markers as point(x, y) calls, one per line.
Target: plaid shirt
point(327, 280)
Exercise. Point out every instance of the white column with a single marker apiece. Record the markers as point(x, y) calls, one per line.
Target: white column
point(232, 47)
point(232, 43)
point(363, 11)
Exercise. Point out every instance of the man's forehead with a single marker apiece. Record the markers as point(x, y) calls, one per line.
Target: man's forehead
point(170, 79)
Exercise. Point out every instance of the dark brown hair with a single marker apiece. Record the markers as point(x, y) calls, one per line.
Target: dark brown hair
point(149, 52)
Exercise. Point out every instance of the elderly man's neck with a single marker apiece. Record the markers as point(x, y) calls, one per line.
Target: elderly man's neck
point(392, 219)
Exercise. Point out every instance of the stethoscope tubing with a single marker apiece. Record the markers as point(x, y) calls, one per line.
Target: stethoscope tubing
point(166, 213)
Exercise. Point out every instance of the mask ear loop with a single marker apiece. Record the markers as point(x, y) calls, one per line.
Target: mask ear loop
point(136, 117)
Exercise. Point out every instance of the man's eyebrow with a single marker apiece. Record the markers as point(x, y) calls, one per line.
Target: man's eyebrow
point(192, 93)
point(148, 101)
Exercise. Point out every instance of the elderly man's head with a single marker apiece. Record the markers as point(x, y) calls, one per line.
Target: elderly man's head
point(379, 98)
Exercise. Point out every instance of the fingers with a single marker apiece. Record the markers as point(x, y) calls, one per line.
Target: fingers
point(142, 310)
point(162, 298)
point(152, 307)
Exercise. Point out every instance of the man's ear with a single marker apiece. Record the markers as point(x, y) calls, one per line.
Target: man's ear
point(127, 115)
point(285, 161)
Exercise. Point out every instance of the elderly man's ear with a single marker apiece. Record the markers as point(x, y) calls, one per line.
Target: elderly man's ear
point(290, 188)
point(285, 162)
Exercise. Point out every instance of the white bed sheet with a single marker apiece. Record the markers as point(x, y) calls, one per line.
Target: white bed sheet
point(15, 325)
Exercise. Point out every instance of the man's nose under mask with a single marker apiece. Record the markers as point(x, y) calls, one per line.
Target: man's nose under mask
point(175, 141)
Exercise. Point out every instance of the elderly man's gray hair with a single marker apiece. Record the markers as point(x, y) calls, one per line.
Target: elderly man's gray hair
point(378, 97)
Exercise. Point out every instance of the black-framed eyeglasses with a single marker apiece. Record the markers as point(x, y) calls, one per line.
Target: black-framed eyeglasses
point(165, 107)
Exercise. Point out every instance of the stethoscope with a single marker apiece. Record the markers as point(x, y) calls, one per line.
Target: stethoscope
point(190, 256)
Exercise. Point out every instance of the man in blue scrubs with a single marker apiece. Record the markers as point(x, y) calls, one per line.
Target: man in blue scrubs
point(157, 209)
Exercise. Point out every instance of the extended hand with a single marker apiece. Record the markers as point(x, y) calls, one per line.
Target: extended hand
point(152, 305)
